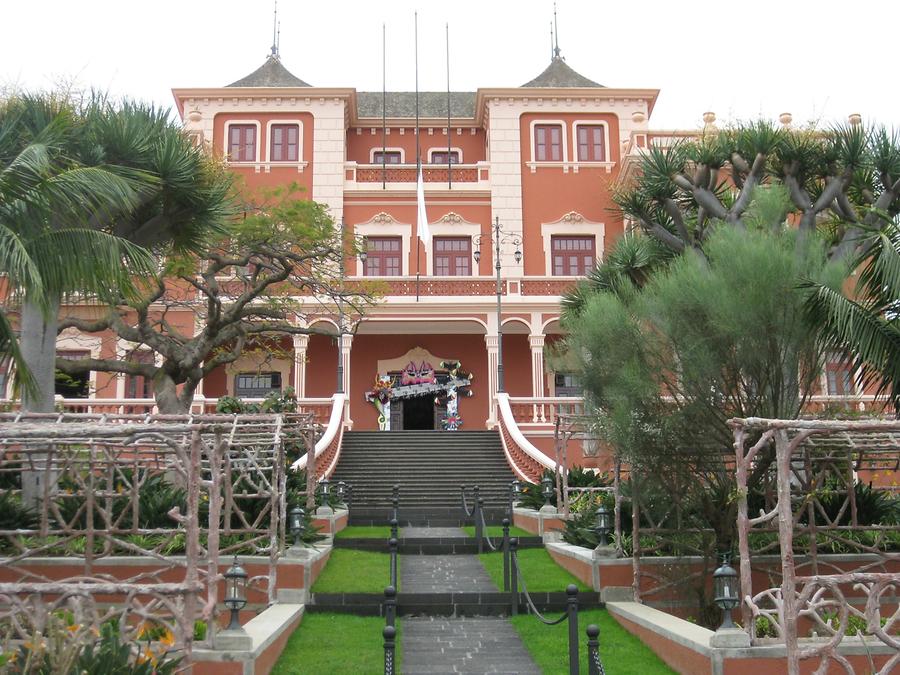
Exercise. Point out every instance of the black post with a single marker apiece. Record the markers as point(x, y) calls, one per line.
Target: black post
point(479, 524)
point(513, 577)
point(572, 608)
point(392, 545)
point(390, 605)
point(594, 665)
point(389, 634)
point(395, 491)
point(395, 528)
point(506, 554)
point(395, 503)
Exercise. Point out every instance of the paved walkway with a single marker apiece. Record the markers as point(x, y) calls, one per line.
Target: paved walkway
point(480, 645)
point(443, 574)
point(450, 645)
point(431, 532)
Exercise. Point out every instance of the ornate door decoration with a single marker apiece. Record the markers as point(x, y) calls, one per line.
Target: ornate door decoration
point(421, 379)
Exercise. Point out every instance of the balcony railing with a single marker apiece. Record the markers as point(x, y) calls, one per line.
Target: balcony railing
point(367, 176)
point(319, 407)
point(529, 412)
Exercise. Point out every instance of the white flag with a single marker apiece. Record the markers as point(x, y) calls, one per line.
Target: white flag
point(422, 226)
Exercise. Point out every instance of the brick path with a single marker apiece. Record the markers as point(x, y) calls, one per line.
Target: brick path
point(455, 645)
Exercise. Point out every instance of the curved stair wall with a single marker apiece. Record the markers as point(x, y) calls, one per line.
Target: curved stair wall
point(328, 448)
point(526, 461)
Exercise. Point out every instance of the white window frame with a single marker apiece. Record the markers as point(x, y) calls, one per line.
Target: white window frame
point(571, 225)
point(226, 145)
point(445, 227)
point(386, 229)
point(431, 152)
point(606, 146)
point(299, 159)
point(71, 340)
point(533, 163)
point(374, 150)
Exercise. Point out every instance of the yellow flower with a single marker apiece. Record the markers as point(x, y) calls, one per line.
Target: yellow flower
point(167, 639)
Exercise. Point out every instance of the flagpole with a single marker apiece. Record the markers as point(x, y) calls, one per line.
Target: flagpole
point(418, 151)
point(383, 109)
point(449, 151)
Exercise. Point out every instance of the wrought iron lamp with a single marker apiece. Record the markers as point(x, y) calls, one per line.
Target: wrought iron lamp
point(364, 251)
point(326, 490)
point(547, 489)
point(604, 525)
point(499, 237)
point(725, 591)
point(295, 524)
point(341, 491)
point(235, 592)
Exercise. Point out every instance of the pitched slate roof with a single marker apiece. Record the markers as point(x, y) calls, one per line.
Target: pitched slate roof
point(403, 104)
point(560, 74)
point(270, 74)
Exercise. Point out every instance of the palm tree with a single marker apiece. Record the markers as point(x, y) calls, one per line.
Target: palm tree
point(44, 254)
point(867, 325)
point(103, 182)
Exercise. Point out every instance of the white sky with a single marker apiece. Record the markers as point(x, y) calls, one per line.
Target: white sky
point(819, 60)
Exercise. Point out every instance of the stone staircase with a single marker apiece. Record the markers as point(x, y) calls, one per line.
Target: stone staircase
point(429, 467)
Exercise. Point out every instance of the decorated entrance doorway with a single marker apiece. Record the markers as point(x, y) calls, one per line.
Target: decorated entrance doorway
point(419, 391)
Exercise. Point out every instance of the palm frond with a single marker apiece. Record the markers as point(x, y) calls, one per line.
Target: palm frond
point(9, 352)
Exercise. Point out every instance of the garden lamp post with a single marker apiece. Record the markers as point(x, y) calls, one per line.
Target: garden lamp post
point(342, 491)
point(499, 237)
point(325, 509)
point(515, 491)
point(547, 489)
point(725, 591)
point(295, 524)
point(604, 525)
point(235, 593)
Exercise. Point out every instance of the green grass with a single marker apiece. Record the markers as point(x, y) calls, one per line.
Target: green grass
point(336, 643)
point(351, 571)
point(539, 569)
point(497, 531)
point(620, 651)
point(365, 532)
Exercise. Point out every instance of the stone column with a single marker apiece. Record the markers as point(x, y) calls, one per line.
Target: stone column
point(346, 342)
point(301, 342)
point(491, 342)
point(537, 365)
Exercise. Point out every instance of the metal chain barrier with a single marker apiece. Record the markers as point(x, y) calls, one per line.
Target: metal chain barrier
point(469, 512)
point(491, 545)
point(595, 667)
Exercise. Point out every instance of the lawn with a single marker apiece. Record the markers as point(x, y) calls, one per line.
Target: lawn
point(351, 571)
point(335, 643)
point(497, 531)
point(539, 569)
point(365, 532)
point(620, 652)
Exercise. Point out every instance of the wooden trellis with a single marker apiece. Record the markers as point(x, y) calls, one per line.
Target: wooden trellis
point(810, 458)
point(87, 474)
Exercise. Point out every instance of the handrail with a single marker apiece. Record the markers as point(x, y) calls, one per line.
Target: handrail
point(335, 426)
point(538, 460)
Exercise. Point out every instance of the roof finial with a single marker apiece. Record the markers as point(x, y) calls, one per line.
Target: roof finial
point(275, 32)
point(556, 34)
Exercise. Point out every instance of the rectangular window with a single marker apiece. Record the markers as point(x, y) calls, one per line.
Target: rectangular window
point(139, 386)
point(73, 386)
point(256, 385)
point(242, 143)
point(388, 157)
point(441, 157)
point(839, 378)
point(452, 256)
point(591, 144)
point(548, 143)
point(572, 256)
point(567, 384)
point(285, 143)
point(383, 257)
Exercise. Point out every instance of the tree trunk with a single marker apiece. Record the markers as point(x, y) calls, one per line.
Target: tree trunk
point(38, 345)
point(165, 390)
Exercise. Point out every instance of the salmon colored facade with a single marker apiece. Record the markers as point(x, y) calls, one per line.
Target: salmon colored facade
point(539, 161)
